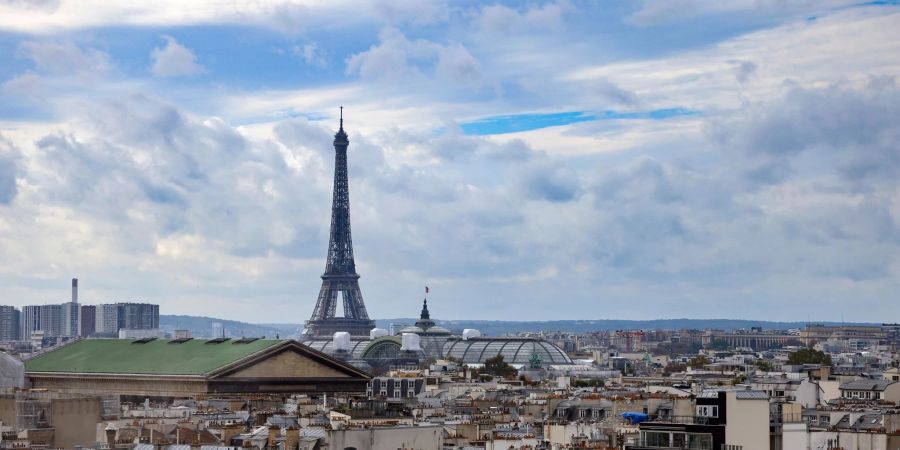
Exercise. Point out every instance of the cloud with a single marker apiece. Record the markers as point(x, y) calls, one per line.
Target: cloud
point(396, 57)
point(498, 18)
point(653, 13)
point(9, 170)
point(391, 58)
point(456, 64)
point(395, 12)
point(744, 70)
point(174, 60)
point(286, 16)
point(854, 129)
point(612, 93)
point(65, 58)
point(551, 181)
point(312, 55)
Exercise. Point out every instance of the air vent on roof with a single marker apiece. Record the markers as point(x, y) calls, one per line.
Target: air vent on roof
point(217, 340)
point(180, 340)
point(144, 340)
point(245, 340)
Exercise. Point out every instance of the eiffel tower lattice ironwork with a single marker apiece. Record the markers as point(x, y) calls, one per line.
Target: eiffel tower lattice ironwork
point(340, 282)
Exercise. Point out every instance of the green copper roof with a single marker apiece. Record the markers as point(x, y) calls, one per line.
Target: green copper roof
point(158, 357)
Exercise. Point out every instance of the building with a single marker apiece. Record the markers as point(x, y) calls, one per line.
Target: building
point(9, 323)
point(182, 334)
point(106, 319)
point(395, 328)
point(138, 316)
point(754, 339)
point(30, 321)
point(88, 320)
point(340, 282)
point(627, 341)
point(154, 333)
point(110, 318)
point(433, 341)
point(724, 419)
point(71, 313)
point(52, 320)
point(871, 390)
point(70, 319)
point(892, 374)
point(191, 367)
point(838, 428)
point(857, 336)
point(49, 419)
point(218, 331)
point(396, 388)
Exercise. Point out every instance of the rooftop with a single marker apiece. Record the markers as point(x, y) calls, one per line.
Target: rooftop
point(156, 357)
point(867, 385)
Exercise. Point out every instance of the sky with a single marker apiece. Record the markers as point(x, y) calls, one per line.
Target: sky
point(527, 161)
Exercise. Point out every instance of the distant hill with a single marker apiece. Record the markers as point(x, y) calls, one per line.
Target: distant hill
point(500, 327)
point(202, 326)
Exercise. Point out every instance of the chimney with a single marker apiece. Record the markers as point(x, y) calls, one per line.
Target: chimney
point(110, 435)
point(74, 290)
point(292, 438)
point(273, 434)
point(229, 432)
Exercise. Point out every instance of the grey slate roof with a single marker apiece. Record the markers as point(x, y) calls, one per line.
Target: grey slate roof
point(867, 385)
point(751, 395)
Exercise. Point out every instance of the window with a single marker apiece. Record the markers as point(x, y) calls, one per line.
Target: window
point(582, 413)
point(383, 391)
point(707, 411)
point(824, 420)
point(656, 439)
point(595, 414)
point(699, 441)
point(734, 447)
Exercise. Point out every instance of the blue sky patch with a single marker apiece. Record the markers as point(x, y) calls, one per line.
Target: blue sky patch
point(527, 122)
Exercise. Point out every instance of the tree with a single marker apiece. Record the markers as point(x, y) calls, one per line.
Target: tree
point(497, 367)
point(587, 382)
point(674, 367)
point(763, 365)
point(673, 349)
point(809, 356)
point(698, 362)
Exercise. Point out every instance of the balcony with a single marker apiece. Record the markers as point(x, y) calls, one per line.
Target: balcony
point(644, 444)
point(688, 420)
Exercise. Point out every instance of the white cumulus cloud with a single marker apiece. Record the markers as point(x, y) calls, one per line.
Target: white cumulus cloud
point(174, 60)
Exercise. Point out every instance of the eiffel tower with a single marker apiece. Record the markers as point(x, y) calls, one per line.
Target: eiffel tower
point(340, 282)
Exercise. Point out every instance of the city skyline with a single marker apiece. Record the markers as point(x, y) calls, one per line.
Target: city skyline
point(560, 160)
